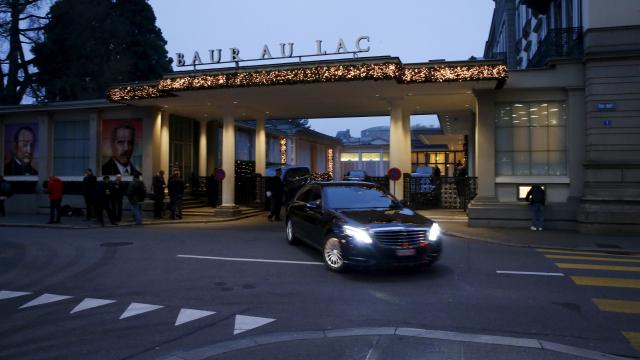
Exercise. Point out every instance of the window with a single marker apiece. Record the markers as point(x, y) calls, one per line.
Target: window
point(531, 139)
point(368, 156)
point(70, 147)
point(349, 157)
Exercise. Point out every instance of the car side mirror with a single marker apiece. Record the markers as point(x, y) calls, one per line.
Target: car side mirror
point(404, 203)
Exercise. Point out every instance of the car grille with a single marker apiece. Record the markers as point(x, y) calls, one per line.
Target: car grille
point(400, 238)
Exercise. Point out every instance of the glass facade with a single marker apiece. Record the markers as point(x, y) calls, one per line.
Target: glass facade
point(70, 147)
point(531, 139)
point(444, 160)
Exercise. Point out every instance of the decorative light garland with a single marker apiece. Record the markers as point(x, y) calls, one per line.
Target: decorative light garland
point(318, 74)
point(283, 150)
point(330, 162)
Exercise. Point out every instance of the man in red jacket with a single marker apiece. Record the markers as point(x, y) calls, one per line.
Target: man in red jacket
point(54, 188)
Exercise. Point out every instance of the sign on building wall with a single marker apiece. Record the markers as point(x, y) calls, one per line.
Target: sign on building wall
point(121, 147)
point(21, 149)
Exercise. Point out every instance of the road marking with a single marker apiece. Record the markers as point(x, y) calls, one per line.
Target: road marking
point(187, 315)
point(138, 308)
point(598, 267)
point(591, 258)
point(44, 299)
point(244, 323)
point(4, 294)
point(610, 282)
point(620, 306)
point(634, 338)
point(529, 273)
point(89, 303)
point(587, 253)
point(251, 260)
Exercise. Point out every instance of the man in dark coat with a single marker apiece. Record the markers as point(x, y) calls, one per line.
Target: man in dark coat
point(89, 186)
point(5, 193)
point(536, 197)
point(275, 192)
point(136, 194)
point(102, 203)
point(118, 190)
point(157, 186)
point(212, 190)
point(176, 192)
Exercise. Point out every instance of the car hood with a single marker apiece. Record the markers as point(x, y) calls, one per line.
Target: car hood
point(384, 217)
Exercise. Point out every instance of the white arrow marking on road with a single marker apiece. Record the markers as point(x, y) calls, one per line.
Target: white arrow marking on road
point(138, 308)
point(89, 303)
point(44, 299)
point(187, 315)
point(4, 294)
point(244, 323)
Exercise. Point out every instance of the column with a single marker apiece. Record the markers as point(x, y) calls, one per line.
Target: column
point(228, 161)
point(261, 146)
point(164, 143)
point(399, 145)
point(485, 146)
point(202, 149)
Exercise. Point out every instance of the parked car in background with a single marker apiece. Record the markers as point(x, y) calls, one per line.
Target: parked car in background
point(425, 175)
point(293, 178)
point(356, 175)
point(356, 223)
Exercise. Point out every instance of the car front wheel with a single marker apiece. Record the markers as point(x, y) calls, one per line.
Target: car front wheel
point(333, 256)
point(291, 237)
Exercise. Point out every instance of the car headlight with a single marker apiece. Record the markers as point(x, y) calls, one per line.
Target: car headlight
point(434, 232)
point(357, 234)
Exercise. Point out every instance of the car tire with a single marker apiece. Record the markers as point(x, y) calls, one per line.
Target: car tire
point(291, 237)
point(332, 254)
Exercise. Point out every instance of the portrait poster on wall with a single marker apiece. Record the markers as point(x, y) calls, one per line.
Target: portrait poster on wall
point(21, 149)
point(121, 147)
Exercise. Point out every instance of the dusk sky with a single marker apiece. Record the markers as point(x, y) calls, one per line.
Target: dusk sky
point(414, 30)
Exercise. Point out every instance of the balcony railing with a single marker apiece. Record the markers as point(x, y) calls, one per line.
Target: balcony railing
point(558, 43)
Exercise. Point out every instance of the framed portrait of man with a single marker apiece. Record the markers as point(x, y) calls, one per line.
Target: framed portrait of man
point(21, 150)
point(121, 147)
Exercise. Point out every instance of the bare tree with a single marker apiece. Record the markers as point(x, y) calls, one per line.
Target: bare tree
point(21, 25)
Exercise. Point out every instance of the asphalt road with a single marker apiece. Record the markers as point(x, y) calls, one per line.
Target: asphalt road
point(465, 307)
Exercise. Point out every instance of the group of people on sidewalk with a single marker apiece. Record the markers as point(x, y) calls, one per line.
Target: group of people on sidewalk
point(107, 195)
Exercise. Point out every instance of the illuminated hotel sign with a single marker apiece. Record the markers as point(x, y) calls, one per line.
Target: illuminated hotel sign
point(283, 51)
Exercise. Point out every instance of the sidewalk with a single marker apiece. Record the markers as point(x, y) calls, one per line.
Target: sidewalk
point(78, 222)
point(454, 222)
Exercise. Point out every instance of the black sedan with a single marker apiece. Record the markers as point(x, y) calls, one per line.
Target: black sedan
point(356, 223)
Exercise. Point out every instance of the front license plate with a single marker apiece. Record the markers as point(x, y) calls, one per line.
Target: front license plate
point(406, 252)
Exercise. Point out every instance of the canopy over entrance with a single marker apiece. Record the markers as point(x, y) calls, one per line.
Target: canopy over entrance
point(345, 88)
point(338, 88)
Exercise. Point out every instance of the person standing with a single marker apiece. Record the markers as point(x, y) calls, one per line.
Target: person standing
point(461, 184)
point(157, 186)
point(536, 198)
point(89, 185)
point(54, 188)
point(5, 193)
point(176, 192)
point(118, 190)
point(212, 190)
point(136, 194)
point(102, 201)
point(275, 192)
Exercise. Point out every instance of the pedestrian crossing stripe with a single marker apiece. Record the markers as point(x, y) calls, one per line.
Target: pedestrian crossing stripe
point(598, 267)
point(90, 303)
point(619, 306)
point(44, 299)
point(587, 253)
point(634, 339)
point(591, 258)
point(605, 281)
point(4, 294)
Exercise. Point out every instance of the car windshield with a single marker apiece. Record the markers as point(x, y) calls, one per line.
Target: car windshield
point(357, 197)
point(356, 173)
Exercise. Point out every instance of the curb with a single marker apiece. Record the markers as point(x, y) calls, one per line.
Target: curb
point(206, 352)
point(130, 224)
point(536, 246)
